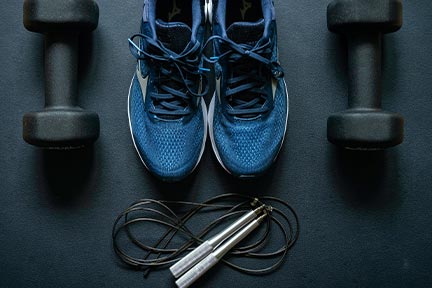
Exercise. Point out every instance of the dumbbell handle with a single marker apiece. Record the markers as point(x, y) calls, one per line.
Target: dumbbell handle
point(61, 70)
point(364, 69)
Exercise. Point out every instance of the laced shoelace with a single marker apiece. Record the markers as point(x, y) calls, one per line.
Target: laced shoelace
point(248, 77)
point(178, 74)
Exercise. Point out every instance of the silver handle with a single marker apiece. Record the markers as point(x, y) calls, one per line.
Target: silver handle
point(197, 271)
point(191, 259)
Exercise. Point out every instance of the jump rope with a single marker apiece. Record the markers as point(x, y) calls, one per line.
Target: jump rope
point(274, 212)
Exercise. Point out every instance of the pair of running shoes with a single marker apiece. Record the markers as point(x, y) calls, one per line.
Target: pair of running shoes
point(247, 116)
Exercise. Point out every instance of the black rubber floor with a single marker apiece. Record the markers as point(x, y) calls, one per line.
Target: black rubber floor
point(366, 218)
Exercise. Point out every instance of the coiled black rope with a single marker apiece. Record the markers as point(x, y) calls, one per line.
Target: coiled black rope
point(231, 206)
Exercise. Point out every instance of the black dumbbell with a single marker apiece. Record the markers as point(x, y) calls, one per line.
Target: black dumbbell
point(62, 124)
point(364, 125)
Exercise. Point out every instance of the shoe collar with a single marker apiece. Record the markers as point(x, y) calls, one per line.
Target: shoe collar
point(198, 17)
point(219, 19)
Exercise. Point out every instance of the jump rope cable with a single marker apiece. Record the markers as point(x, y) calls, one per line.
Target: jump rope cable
point(280, 214)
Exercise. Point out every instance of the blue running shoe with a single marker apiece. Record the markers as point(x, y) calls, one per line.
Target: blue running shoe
point(167, 115)
point(249, 112)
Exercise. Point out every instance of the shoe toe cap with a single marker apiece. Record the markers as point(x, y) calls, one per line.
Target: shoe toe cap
point(247, 151)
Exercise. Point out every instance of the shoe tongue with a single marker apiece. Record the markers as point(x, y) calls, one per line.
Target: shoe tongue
point(174, 35)
point(246, 32)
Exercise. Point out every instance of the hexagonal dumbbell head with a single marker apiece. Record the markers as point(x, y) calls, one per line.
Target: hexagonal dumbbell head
point(61, 129)
point(44, 16)
point(365, 129)
point(384, 16)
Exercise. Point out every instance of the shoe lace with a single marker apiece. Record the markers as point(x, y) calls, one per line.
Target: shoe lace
point(250, 66)
point(178, 74)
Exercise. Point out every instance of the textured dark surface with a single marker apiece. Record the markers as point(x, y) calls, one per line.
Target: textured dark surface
point(366, 218)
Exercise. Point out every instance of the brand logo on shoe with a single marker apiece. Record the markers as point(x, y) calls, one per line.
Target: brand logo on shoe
point(174, 12)
point(246, 6)
point(143, 83)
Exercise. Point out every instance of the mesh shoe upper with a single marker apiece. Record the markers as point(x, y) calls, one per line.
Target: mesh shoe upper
point(170, 149)
point(250, 105)
point(167, 114)
point(248, 148)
